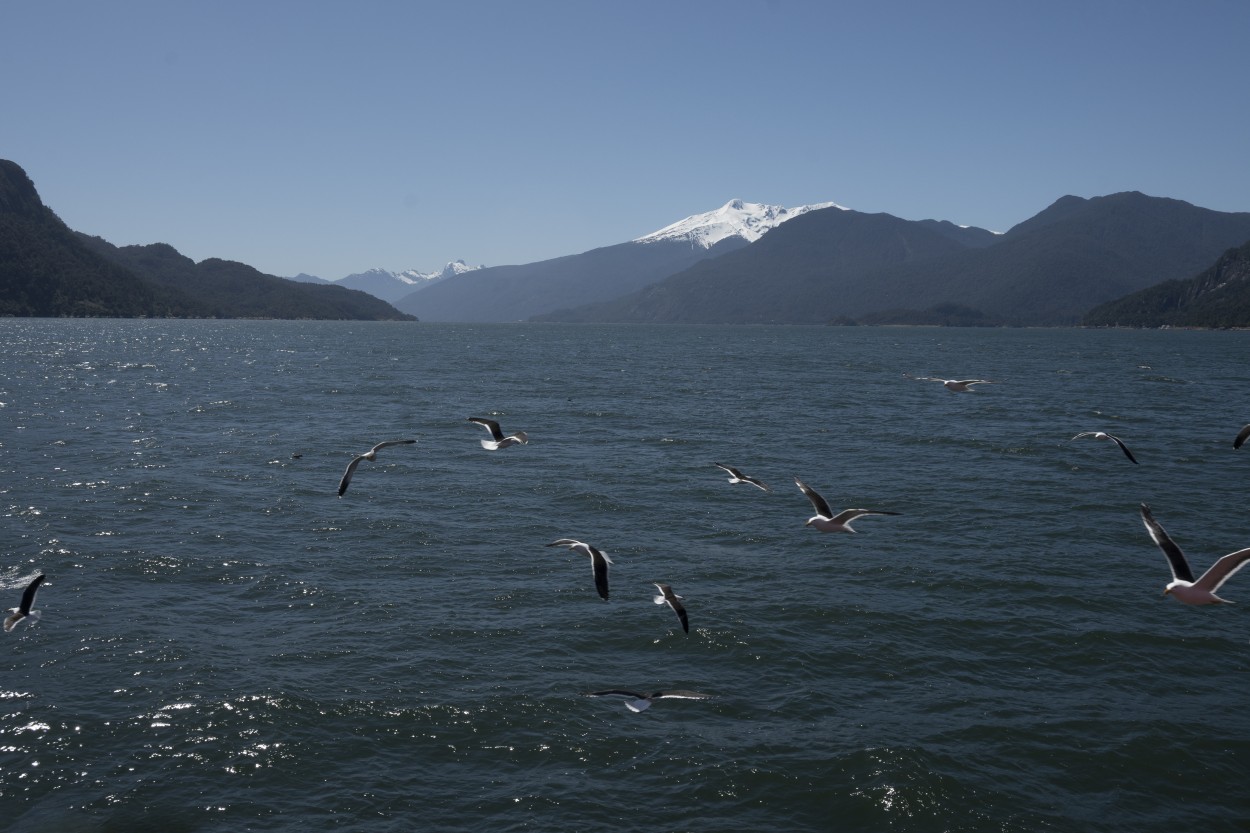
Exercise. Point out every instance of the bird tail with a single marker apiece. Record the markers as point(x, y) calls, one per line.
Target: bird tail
point(11, 621)
point(637, 705)
point(490, 445)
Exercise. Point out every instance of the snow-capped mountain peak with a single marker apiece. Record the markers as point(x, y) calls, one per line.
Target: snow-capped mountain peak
point(408, 276)
point(748, 220)
point(454, 267)
point(391, 286)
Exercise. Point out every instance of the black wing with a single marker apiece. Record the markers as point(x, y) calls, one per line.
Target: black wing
point(389, 443)
point(599, 563)
point(1176, 558)
point(681, 614)
point(1242, 436)
point(347, 475)
point(673, 600)
point(818, 502)
point(28, 596)
point(1124, 448)
point(490, 425)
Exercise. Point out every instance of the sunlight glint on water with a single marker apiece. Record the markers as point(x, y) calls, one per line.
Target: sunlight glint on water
point(226, 645)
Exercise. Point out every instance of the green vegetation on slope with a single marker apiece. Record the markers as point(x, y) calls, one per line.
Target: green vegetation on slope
point(48, 270)
point(1217, 297)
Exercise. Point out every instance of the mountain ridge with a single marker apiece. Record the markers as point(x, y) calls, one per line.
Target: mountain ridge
point(1219, 296)
point(392, 286)
point(740, 263)
point(516, 293)
point(50, 270)
point(1048, 270)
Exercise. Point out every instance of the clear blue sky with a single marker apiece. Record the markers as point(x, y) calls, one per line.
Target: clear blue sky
point(332, 137)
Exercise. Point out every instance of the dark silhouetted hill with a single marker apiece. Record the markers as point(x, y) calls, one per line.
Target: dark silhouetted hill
point(835, 265)
point(1217, 297)
point(227, 289)
point(46, 269)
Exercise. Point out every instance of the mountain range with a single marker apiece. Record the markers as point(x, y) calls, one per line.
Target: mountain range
point(842, 266)
point(47, 269)
point(830, 264)
point(741, 263)
point(391, 286)
point(516, 293)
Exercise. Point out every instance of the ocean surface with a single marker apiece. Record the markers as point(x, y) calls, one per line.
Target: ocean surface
point(227, 645)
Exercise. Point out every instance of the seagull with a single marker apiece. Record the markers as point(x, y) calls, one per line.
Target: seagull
point(499, 441)
point(736, 476)
point(22, 611)
point(636, 702)
point(953, 385)
point(369, 455)
point(598, 562)
point(1183, 588)
point(825, 520)
point(1103, 435)
point(1241, 438)
point(673, 600)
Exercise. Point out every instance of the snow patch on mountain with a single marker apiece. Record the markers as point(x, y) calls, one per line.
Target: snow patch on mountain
point(391, 286)
point(410, 277)
point(748, 220)
point(453, 268)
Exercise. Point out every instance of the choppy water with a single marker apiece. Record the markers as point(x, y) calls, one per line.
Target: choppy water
point(228, 646)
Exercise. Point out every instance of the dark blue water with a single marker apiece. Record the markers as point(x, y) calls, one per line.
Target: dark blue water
point(226, 645)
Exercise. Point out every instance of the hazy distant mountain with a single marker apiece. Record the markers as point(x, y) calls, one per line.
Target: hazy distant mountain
point(835, 265)
point(46, 269)
point(304, 277)
point(1218, 297)
point(515, 293)
point(391, 286)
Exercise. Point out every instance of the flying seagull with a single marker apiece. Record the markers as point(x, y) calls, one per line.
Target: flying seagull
point(1241, 438)
point(22, 611)
point(370, 455)
point(825, 520)
point(598, 562)
point(498, 440)
point(1103, 435)
point(1183, 588)
point(674, 601)
point(736, 476)
point(636, 702)
point(953, 385)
